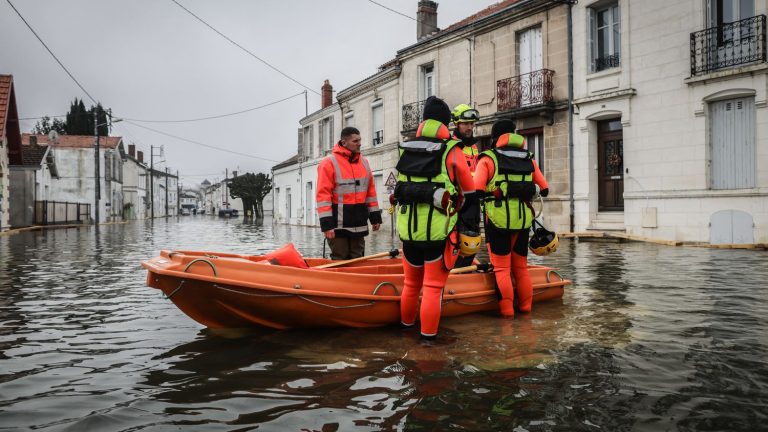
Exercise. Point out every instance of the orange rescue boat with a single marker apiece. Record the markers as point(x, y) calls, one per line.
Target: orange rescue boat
point(221, 290)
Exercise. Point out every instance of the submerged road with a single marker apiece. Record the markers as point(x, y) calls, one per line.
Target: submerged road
point(648, 338)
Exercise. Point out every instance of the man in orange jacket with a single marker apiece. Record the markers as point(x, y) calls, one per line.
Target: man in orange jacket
point(510, 179)
point(346, 197)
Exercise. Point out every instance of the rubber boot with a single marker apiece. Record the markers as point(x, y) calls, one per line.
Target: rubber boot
point(409, 299)
point(501, 270)
point(435, 276)
point(523, 282)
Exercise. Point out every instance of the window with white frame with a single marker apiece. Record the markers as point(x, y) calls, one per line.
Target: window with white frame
point(326, 134)
point(605, 36)
point(733, 151)
point(534, 139)
point(308, 137)
point(377, 115)
point(427, 81)
point(349, 119)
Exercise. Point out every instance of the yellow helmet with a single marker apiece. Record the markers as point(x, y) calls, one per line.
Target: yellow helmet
point(469, 243)
point(543, 242)
point(465, 113)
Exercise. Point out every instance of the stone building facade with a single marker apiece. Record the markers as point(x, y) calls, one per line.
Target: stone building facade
point(671, 124)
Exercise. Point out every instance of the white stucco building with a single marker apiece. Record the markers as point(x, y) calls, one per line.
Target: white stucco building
point(135, 181)
point(74, 158)
point(671, 125)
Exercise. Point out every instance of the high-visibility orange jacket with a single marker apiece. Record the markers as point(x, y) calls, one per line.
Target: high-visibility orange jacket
point(346, 194)
point(471, 152)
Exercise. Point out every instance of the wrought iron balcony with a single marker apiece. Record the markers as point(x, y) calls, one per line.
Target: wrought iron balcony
point(732, 44)
point(533, 88)
point(607, 62)
point(378, 137)
point(412, 115)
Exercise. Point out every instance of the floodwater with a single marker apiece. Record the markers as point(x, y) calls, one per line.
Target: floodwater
point(648, 338)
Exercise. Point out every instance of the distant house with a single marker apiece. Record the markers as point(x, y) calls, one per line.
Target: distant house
point(10, 145)
point(31, 181)
point(135, 181)
point(74, 159)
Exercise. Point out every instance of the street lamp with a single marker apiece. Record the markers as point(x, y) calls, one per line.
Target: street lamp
point(96, 158)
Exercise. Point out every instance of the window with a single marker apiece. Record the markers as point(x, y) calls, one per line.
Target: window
point(349, 119)
point(732, 144)
point(427, 81)
point(727, 11)
point(377, 112)
point(534, 140)
point(326, 134)
point(308, 137)
point(605, 32)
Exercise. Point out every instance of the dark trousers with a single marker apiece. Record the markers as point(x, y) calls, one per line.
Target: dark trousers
point(344, 248)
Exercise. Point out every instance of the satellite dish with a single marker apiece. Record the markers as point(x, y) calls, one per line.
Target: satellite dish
point(53, 136)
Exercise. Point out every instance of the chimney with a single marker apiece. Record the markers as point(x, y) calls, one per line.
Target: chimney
point(33, 140)
point(426, 19)
point(234, 174)
point(132, 150)
point(140, 156)
point(327, 91)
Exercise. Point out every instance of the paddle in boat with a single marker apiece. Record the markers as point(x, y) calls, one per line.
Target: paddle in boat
point(282, 290)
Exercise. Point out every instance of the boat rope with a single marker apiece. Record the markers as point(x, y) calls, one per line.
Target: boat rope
point(336, 307)
point(470, 303)
point(215, 273)
point(250, 294)
point(555, 272)
point(176, 290)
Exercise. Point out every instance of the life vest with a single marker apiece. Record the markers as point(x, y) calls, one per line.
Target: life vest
point(511, 188)
point(422, 181)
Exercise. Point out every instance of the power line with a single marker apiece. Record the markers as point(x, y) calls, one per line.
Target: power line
point(199, 143)
point(402, 14)
point(51, 53)
point(245, 49)
point(183, 120)
point(216, 116)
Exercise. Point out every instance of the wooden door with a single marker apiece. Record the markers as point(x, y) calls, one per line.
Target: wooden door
point(610, 166)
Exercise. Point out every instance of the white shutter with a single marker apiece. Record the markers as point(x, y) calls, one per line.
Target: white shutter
point(733, 155)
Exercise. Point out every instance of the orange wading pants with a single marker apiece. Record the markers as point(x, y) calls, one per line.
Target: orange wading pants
point(426, 269)
point(509, 255)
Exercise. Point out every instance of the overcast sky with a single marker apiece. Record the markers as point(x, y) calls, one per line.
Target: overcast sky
point(149, 59)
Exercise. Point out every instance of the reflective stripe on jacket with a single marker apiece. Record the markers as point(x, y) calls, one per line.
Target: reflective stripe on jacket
point(346, 194)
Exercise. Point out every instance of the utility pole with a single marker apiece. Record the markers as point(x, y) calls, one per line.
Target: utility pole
point(306, 104)
point(166, 191)
point(96, 175)
point(226, 194)
point(178, 194)
point(152, 182)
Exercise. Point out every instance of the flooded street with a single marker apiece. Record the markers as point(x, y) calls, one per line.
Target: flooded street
point(648, 338)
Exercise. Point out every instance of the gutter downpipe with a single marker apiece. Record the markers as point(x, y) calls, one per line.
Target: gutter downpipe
point(570, 115)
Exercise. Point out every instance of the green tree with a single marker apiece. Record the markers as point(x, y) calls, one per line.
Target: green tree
point(45, 125)
point(251, 188)
point(80, 121)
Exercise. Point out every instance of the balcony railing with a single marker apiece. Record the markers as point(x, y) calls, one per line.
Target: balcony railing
point(523, 90)
point(732, 44)
point(378, 137)
point(607, 62)
point(412, 115)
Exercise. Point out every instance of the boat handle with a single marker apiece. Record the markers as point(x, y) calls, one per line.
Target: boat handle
point(375, 290)
point(555, 272)
point(215, 273)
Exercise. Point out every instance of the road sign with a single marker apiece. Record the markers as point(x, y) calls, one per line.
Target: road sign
point(391, 180)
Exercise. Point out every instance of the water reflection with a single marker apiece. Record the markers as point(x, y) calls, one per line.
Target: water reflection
point(648, 338)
